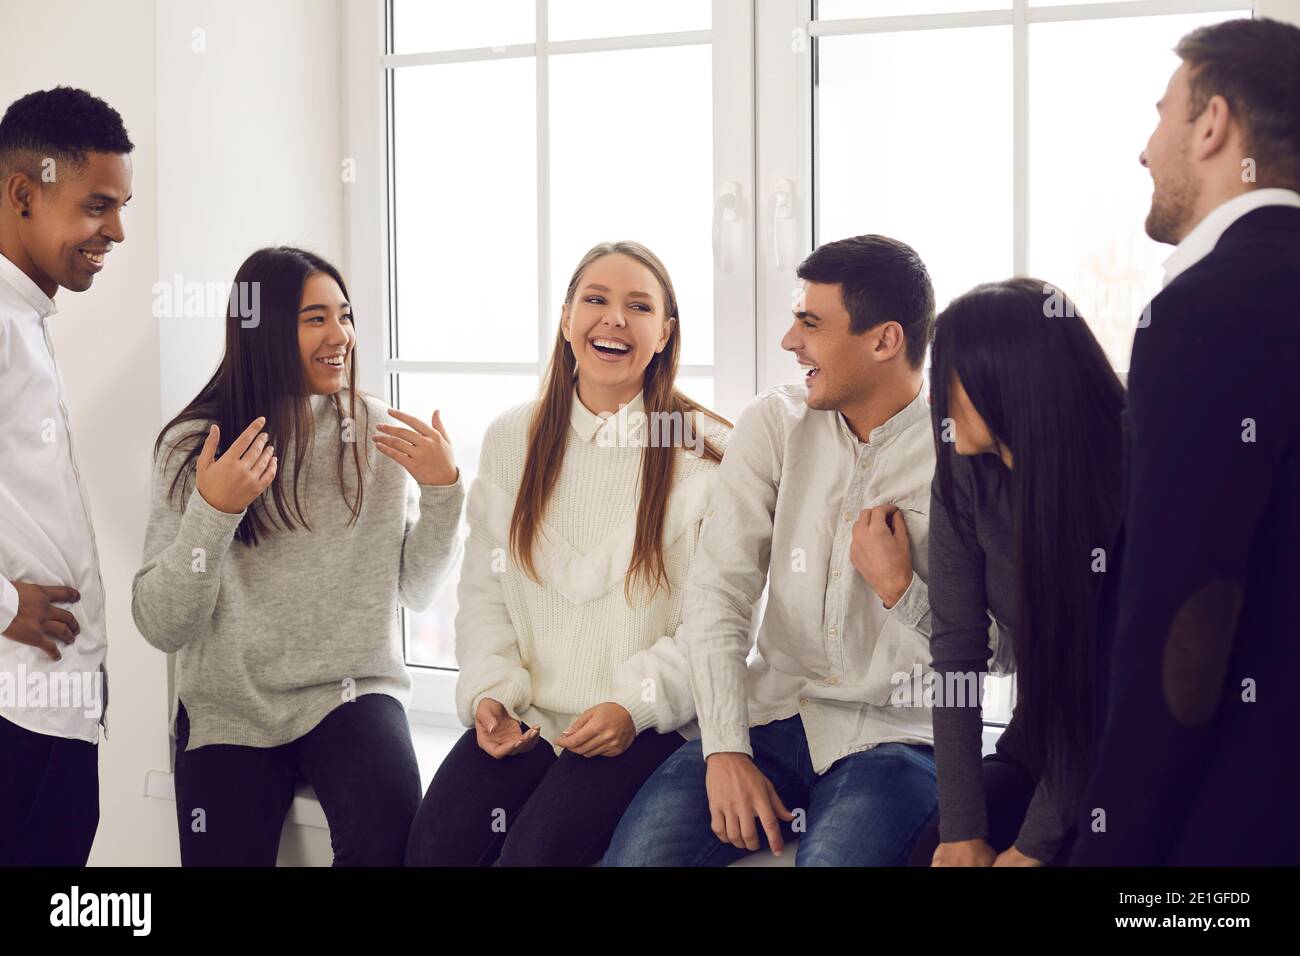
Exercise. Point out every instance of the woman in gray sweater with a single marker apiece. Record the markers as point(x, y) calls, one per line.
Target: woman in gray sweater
point(288, 522)
point(1024, 507)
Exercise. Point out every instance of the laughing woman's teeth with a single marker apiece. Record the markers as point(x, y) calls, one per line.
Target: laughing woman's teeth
point(333, 361)
point(611, 346)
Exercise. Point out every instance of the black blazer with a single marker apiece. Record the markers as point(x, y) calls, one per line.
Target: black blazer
point(1199, 759)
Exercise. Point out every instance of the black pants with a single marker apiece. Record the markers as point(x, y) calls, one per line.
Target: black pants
point(231, 801)
point(532, 809)
point(1008, 788)
point(49, 798)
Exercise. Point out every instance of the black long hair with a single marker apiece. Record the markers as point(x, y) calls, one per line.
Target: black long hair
point(1041, 382)
point(261, 374)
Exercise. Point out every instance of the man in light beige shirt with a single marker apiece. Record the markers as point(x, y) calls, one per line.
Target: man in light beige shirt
point(823, 497)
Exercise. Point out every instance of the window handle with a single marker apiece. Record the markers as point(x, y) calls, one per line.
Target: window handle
point(726, 208)
point(782, 208)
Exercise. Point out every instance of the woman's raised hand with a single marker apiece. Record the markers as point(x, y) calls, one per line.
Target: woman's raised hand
point(422, 449)
point(235, 480)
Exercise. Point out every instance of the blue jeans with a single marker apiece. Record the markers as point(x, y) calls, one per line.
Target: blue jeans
point(865, 810)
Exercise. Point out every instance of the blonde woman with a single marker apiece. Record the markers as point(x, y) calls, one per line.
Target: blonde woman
point(583, 522)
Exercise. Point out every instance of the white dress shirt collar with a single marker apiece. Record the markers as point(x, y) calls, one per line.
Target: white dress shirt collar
point(917, 408)
point(587, 423)
point(1200, 242)
point(25, 287)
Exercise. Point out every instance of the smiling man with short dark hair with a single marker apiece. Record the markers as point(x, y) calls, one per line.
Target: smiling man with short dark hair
point(65, 175)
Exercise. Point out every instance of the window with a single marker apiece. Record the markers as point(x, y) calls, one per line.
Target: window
point(731, 136)
point(521, 134)
point(999, 138)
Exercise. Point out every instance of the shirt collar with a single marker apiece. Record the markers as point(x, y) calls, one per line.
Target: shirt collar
point(587, 423)
point(1200, 242)
point(22, 283)
point(902, 420)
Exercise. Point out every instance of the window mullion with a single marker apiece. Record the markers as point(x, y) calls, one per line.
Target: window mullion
point(1020, 136)
point(543, 183)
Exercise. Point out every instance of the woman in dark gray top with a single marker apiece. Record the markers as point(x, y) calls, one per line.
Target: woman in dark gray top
point(1024, 506)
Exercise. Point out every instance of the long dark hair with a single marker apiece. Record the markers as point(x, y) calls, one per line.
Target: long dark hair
point(1043, 385)
point(550, 422)
point(261, 374)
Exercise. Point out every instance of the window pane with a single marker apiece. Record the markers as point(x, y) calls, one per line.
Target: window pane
point(854, 9)
point(469, 403)
point(999, 697)
point(1092, 93)
point(631, 158)
point(698, 388)
point(420, 26)
point(584, 19)
point(466, 211)
point(906, 152)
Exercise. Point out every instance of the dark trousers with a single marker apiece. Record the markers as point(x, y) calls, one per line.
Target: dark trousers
point(532, 809)
point(1008, 788)
point(49, 798)
point(231, 801)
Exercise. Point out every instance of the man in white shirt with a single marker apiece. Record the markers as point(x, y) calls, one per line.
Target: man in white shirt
point(822, 496)
point(66, 174)
point(1195, 766)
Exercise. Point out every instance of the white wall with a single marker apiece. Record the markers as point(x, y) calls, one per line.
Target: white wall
point(1286, 10)
point(248, 152)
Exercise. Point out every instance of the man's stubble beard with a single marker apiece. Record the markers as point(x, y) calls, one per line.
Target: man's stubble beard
point(1172, 205)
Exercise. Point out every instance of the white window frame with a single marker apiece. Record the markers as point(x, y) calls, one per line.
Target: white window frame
point(366, 131)
point(785, 103)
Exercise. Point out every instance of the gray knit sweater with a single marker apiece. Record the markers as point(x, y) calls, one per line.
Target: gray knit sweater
point(973, 578)
point(270, 639)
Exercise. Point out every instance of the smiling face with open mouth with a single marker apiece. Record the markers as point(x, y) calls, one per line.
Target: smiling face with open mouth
point(837, 365)
point(325, 334)
point(76, 220)
point(615, 326)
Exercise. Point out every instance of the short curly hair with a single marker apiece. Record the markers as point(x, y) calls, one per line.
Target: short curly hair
point(63, 124)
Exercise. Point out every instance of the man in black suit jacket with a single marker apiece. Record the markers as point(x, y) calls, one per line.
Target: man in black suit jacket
point(1199, 762)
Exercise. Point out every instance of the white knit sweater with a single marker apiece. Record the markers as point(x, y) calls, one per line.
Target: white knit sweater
point(548, 652)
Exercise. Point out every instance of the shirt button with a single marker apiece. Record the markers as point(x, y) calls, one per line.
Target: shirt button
point(848, 516)
point(803, 701)
point(832, 680)
point(834, 632)
point(835, 574)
